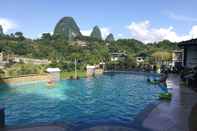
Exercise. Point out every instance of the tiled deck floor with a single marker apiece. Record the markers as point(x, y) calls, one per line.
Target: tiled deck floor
point(172, 116)
point(167, 116)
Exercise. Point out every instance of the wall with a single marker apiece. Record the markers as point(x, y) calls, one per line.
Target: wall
point(33, 61)
point(28, 78)
point(99, 71)
point(94, 72)
point(177, 57)
point(55, 76)
point(191, 59)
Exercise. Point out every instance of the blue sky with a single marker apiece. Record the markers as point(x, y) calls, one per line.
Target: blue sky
point(145, 20)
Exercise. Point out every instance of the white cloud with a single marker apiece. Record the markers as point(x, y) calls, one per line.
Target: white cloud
point(86, 32)
point(193, 32)
point(7, 24)
point(144, 32)
point(104, 31)
point(179, 17)
point(120, 35)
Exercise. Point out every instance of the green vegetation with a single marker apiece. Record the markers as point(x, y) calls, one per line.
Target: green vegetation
point(23, 69)
point(1, 30)
point(162, 56)
point(165, 96)
point(67, 44)
point(66, 74)
point(62, 52)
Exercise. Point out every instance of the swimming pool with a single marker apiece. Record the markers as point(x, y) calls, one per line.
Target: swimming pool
point(110, 98)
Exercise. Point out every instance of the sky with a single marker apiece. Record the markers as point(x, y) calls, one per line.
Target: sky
point(144, 20)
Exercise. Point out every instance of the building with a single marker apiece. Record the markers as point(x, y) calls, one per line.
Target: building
point(139, 60)
point(90, 70)
point(80, 43)
point(4, 59)
point(190, 53)
point(177, 58)
point(55, 74)
point(3, 64)
point(8, 58)
point(32, 61)
point(118, 56)
point(1, 56)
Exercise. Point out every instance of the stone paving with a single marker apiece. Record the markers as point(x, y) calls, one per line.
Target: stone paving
point(172, 116)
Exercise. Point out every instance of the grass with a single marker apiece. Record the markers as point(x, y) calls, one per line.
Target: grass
point(68, 74)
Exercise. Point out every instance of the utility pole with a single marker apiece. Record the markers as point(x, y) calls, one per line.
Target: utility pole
point(75, 68)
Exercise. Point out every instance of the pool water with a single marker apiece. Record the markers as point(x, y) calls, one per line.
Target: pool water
point(110, 98)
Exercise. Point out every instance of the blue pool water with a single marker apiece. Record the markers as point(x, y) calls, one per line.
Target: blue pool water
point(107, 98)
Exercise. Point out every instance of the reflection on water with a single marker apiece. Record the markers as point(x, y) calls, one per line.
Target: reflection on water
point(111, 98)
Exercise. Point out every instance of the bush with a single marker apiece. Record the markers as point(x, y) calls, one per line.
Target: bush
point(25, 69)
point(2, 73)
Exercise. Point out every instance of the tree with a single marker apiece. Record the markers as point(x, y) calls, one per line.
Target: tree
point(46, 36)
point(1, 30)
point(161, 57)
point(2, 73)
point(19, 36)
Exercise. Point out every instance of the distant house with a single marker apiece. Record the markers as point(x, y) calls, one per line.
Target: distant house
point(3, 64)
point(7, 58)
point(118, 56)
point(31, 61)
point(1, 56)
point(81, 43)
point(90, 70)
point(55, 73)
point(141, 58)
point(4, 59)
point(177, 58)
point(190, 53)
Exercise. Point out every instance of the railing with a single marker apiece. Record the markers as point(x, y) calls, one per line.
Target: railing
point(25, 78)
point(132, 72)
point(9, 77)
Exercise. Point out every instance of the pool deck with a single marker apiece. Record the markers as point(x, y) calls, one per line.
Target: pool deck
point(174, 115)
point(166, 116)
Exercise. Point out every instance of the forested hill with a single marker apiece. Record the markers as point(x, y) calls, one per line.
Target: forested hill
point(67, 43)
point(58, 48)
